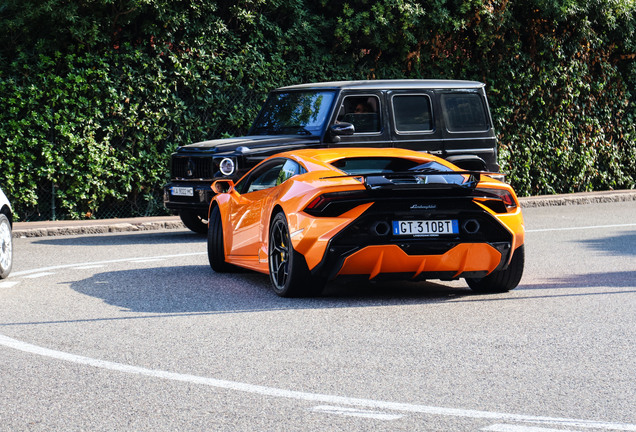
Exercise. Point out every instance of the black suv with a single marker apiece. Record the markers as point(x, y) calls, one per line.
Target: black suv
point(450, 119)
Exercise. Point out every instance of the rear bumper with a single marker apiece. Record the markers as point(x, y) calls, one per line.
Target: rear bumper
point(473, 260)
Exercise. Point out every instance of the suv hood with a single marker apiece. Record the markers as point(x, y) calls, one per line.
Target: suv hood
point(250, 144)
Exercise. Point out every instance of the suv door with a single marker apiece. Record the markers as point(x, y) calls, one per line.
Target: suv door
point(367, 111)
point(414, 123)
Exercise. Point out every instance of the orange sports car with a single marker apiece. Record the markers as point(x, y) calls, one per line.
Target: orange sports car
point(307, 217)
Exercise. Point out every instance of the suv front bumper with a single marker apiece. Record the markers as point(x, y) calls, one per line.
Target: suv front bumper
point(198, 202)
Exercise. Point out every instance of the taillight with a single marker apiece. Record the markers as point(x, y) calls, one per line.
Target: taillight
point(338, 203)
point(502, 194)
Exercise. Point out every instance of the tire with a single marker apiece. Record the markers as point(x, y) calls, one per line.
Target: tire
point(503, 280)
point(216, 250)
point(6, 247)
point(193, 222)
point(288, 269)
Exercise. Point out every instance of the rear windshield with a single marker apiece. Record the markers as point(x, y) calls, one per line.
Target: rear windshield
point(374, 165)
point(464, 112)
point(427, 171)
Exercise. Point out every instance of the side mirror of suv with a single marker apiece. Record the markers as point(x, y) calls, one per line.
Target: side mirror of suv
point(339, 129)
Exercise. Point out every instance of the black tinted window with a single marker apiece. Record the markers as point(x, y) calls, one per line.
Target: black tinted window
point(373, 165)
point(363, 112)
point(294, 113)
point(464, 112)
point(412, 113)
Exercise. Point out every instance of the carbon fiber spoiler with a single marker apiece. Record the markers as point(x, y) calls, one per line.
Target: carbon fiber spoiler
point(418, 179)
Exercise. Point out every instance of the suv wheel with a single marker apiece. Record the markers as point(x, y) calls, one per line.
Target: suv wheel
point(193, 222)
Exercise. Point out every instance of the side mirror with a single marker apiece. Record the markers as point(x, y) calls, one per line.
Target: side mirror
point(339, 129)
point(223, 186)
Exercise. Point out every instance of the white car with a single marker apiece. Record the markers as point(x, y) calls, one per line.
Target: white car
point(6, 241)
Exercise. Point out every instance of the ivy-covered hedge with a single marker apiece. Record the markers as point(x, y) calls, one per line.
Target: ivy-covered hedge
point(96, 94)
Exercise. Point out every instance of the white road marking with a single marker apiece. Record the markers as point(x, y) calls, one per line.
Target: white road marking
point(25, 272)
point(581, 228)
point(37, 275)
point(137, 260)
point(353, 412)
point(8, 284)
point(88, 267)
point(314, 397)
point(512, 428)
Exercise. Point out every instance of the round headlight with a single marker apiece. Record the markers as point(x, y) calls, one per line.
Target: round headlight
point(227, 167)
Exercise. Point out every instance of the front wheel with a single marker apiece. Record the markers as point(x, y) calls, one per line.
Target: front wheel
point(193, 222)
point(503, 280)
point(6, 247)
point(216, 248)
point(288, 269)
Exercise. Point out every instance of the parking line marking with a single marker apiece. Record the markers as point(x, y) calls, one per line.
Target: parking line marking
point(580, 228)
point(8, 284)
point(512, 428)
point(314, 397)
point(37, 275)
point(353, 412)
point(21, 273)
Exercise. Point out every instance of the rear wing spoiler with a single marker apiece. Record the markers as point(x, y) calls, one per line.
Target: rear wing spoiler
point(466, 180)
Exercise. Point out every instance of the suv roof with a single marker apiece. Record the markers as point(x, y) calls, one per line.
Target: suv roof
point(389, 85)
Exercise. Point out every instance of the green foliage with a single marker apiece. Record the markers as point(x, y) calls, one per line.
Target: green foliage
point(96, 94)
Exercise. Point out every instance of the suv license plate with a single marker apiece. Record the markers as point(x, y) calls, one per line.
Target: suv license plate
point(425, 227)
point(182, 191)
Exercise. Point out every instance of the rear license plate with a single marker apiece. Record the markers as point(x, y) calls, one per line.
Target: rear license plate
point(425, 227)
point(182, 191)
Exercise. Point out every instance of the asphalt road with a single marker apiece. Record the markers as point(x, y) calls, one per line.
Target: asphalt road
point(134, 331)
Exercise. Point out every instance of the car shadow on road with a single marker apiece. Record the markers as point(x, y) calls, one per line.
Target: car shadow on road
point(623, 244)
point(129, 238)
point(196, 288)
point(621, 279)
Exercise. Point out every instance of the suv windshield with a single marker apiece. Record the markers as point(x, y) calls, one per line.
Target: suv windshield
point(294, 113)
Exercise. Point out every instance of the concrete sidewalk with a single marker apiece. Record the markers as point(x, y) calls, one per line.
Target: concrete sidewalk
point(93, 226)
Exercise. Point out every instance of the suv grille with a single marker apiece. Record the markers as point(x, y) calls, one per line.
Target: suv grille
point(192, 167)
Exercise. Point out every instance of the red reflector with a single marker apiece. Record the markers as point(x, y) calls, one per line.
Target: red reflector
point(315, 202)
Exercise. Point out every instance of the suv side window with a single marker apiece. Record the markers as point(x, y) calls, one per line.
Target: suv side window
point(363, 112)
point(464, 112)
point(412, 113)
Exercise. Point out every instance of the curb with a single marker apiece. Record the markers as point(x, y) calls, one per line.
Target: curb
point(580, 198)
point(96, 229)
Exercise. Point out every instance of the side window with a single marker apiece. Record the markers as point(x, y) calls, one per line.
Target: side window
point(290, 169)
point(263, 179)
point(361, 111)
point(464, 112)
point(412, 113)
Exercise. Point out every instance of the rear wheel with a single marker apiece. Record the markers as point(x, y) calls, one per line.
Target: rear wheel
point(503, 280)
point(288, 269)
point(6, 247)
point(216, 249)
point(193, 222)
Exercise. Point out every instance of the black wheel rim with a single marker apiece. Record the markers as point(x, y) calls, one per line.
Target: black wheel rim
point(279, 254)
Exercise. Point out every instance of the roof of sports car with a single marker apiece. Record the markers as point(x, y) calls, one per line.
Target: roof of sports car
point(388, 85)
